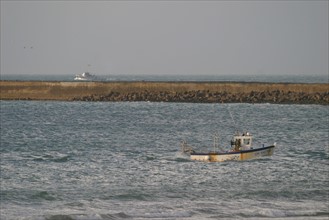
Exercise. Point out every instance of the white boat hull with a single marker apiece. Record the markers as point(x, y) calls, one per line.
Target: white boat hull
point(86, 76)
point(239, 155)
point(82, 79)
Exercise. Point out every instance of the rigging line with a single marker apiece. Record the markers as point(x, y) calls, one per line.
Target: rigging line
point(236, 127)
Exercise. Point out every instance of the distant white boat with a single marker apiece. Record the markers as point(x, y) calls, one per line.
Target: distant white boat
point(86, 76)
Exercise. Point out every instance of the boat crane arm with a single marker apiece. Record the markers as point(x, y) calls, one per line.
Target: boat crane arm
point(185, 148)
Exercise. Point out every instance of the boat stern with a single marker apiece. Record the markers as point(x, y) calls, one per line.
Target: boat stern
point(200, 157)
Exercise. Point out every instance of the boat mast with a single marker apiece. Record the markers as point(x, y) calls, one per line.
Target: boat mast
point(236, 127)
point(216, 141)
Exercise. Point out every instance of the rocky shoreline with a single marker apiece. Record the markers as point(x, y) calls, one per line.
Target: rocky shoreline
point(191, 92)
point(202, 96)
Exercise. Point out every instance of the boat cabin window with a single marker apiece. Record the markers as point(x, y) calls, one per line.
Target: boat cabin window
point(246, 141)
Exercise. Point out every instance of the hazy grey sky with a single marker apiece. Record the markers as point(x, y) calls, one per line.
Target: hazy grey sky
point(164, 37)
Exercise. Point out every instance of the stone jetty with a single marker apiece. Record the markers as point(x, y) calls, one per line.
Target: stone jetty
point(193, 92)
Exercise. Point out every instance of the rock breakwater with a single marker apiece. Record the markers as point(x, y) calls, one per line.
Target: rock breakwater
point(194, 92)
point(202, 96)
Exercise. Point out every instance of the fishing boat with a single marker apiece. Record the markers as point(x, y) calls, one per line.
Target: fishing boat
point(86, 76)
point(241, 149)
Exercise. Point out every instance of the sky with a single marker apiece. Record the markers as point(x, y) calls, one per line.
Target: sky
point(164, 37)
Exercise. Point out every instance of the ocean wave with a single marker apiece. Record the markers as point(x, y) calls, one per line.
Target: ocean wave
point(58, 158)
point(122, 215)
point(277, 213)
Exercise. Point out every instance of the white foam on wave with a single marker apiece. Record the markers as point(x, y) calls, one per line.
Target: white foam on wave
point(161, 215)
point(181, 155)
point(282, 209)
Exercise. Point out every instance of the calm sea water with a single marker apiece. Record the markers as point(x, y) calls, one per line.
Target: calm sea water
point(91, 160)
point(312, 78)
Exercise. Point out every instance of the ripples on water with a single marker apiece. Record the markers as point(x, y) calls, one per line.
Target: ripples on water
point(76, 160)
point(285, 78)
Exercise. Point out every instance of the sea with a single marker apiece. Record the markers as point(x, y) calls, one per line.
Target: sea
point(122, 160)
point(276, 78)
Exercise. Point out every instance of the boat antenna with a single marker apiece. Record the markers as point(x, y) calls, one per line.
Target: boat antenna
point(236, 127)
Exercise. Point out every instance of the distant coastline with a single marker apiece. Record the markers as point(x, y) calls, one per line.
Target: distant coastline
point(165, 91)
